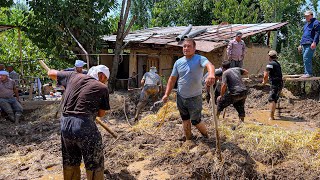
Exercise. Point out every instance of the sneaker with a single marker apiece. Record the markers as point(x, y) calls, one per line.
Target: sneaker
point(306, 76)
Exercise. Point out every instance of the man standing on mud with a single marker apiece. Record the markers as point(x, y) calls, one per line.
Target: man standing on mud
point(273, 71)
point(85, 98)
point(188, 70)
point(237, 91)
point(309, 42)
point(150, 82)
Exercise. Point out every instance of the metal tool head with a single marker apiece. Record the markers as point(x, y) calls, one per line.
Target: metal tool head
point(156, 106)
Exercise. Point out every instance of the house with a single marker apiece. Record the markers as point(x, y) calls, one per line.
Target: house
point(159, 46)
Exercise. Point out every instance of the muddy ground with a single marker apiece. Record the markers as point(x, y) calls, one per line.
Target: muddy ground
point(31, 150)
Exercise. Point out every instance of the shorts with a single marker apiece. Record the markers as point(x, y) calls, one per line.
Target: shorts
point(275, 92)
point(238, 102)
point(190, 108)
point(147, 91)
point(80, 138)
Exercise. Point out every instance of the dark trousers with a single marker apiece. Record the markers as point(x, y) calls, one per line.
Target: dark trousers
point(80, 138)
point(237, 100)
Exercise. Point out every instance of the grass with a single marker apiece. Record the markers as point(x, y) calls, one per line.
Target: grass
point(265, 141)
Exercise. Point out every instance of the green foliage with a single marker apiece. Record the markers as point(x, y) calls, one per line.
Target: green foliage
point(142, 10)
point(87, 20)
point(6, 3)
point(182, 12)
point(233, 11)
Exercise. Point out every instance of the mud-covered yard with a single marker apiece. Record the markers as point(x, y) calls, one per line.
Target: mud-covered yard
point(287, 148)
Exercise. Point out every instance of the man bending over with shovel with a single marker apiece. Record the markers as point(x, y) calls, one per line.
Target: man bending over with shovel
point(237, 91)
point(85, 98)
point(188, 71)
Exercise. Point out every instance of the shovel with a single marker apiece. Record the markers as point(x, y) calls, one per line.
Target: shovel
point(215, 120)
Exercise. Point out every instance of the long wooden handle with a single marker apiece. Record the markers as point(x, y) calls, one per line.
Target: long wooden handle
point(44, 65)
point(215, 120)
point(99, 121)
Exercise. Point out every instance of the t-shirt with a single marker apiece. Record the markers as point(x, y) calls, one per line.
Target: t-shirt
point(275, 72)
point(189, 73)
point(232, 77)
point(151, 78)
point(6, 88)
point(84, 95)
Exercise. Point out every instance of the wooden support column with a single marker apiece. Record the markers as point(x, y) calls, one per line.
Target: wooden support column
point(133, 63)
point(20, 50)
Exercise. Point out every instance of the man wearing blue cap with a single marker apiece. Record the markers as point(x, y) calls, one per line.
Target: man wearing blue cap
point(9, 103)
point(78, 67)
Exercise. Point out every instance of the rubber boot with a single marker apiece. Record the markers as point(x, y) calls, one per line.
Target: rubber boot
point(11, 117)
point(202, 129)
point(71, 173)
point(139, 108)
point(95, 175)
point(17, 117)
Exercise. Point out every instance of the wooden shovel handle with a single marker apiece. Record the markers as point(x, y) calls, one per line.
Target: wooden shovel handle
point(44, 65)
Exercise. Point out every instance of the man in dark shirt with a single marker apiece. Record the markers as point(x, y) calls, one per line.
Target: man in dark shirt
point(237, 91)
point(85, 98)
point(273, 71)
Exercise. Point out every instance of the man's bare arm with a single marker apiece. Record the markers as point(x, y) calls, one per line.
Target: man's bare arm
point(171, 82)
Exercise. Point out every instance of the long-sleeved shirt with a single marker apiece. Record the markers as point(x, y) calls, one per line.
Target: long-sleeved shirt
point(311, 32)
point(236, 50)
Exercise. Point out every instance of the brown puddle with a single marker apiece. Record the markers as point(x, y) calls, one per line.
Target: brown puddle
point(262, 117)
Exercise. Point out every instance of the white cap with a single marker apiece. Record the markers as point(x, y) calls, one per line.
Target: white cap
point(153, 69)
point(4, 73)
point(79, 63)
point(94, 71)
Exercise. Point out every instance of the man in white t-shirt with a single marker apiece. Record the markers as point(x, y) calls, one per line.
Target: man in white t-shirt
point(150, 82)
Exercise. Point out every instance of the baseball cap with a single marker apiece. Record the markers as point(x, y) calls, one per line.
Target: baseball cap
point(239, 33)
point(272, 53)
point(308, 12)
point(79, 63)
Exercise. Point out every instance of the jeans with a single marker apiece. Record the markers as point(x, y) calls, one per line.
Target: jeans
point(10, 105)
point(307, 53)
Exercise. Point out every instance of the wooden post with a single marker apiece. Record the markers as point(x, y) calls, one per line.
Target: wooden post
point(20, 49)
point(215, 120)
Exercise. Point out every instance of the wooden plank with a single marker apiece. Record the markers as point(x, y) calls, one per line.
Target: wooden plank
point(292, 75)
point(302, 79)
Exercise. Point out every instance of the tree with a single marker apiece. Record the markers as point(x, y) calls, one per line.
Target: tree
point(87, 20)
point(236, 12)
point(182, 12)
point(17, 15)
point(142, 10)
point(6, 3)
point(122, 32)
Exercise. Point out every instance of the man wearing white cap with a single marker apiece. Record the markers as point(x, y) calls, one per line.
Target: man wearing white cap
point(274, 73)
point(78, 67)
point(86, 96)
point(150, 82)
point(309, 42)
point(9, 103)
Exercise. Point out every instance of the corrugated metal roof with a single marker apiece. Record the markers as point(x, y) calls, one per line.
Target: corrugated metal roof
point(216, 35)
